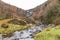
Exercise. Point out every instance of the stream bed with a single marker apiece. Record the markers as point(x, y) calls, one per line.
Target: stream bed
point(27, 34)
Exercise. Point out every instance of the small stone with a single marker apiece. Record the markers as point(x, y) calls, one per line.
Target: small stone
point(16, 39)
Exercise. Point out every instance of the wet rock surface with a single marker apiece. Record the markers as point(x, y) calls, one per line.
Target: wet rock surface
point(27, 34)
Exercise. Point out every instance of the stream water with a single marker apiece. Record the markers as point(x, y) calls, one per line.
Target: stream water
point(27, 34)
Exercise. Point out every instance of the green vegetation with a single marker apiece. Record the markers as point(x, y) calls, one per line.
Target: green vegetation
point(52, 14)
point(16, 25)
point(8, 26)
point(49, 34)
point(52, 17)
point(12, 28)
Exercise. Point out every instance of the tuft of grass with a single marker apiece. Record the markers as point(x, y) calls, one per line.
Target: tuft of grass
point(49, 34)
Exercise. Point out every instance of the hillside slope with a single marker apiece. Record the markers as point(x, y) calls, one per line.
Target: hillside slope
point(51, 15)
point(10, 11)
point(47, 13)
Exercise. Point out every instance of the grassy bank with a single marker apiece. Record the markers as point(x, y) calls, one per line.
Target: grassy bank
point(11, 27)
point(49, 34)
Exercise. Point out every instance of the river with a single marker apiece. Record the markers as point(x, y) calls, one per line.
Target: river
point(27, 34)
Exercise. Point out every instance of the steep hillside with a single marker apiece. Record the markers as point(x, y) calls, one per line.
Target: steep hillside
point(9, 11)
point(47, 13)
point(51, 15)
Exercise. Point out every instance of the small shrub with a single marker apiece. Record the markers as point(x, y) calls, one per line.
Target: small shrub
point(56, 21)
point(4, 25)
point(52, 14)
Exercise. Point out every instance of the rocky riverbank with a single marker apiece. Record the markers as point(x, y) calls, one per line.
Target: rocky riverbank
point(27, 34)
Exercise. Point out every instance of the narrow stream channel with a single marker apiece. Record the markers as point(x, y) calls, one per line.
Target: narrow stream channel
point(27, 34)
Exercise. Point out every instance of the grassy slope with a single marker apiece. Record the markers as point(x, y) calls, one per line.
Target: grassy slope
point(12, 27)
point(49, 34)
